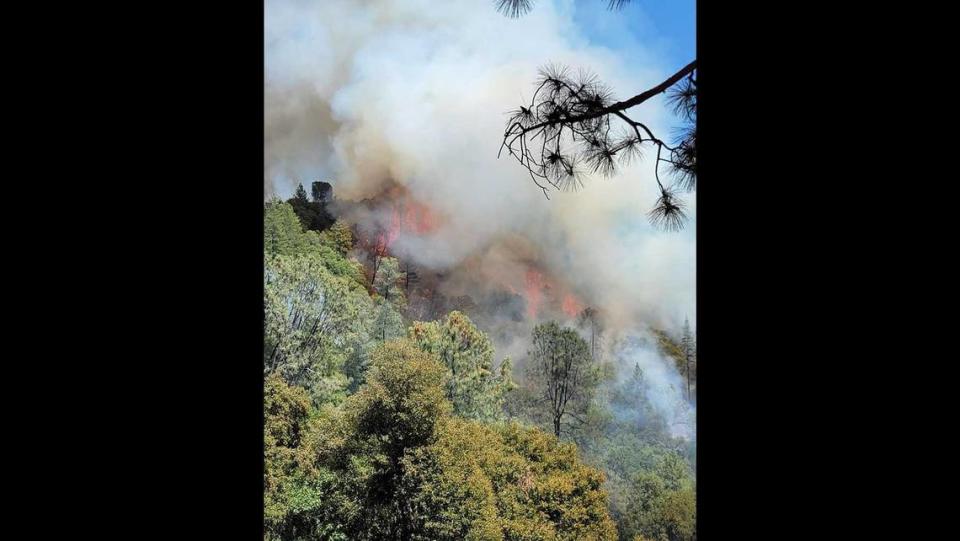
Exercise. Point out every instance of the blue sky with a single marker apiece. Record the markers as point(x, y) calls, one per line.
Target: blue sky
point(667, 27)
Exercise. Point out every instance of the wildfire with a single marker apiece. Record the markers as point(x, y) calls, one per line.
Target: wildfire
point(419, 219)
point(571, 306)
point(534, 291)
point(408, 217)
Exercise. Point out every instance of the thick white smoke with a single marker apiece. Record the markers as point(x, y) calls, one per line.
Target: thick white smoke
point(664, 387)
point(367, 94)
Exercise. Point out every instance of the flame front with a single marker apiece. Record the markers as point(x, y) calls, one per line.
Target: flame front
point(571, 305)
point(534, 291)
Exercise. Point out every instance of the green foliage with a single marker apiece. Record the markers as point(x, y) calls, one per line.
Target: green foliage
point(479, 481)
point(548, 481)
point(474, 389)
point(671, 349)
point(388, 323)
point(284, 235)
point(387, 283)
point(660, 511)
point(286, 461)
point(637, 413)
point(338, 238)
point(651, 487)
point(340, 266)
point(650, 480)
point(688, 347)
point(317, 312)
point(361, 440)
point(365, 447)
point(393, 463)
point(300, 196)
point(402, 400)
point(563, 372)
point(358, 358)
point(312, 321)
point(682, 353)
point(282, 232)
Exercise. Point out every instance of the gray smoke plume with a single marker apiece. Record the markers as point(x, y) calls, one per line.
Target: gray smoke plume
point(374, 94)
point(663, 386)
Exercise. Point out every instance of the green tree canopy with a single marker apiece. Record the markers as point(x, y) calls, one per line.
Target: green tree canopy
point(561, 369)
point(338, 237)
point(387, 282)
point(283, 233)
point(660, 510)
point(288, 498)
point(393, 463)
point(388, 323)
point(312, 320)
point(474, 389)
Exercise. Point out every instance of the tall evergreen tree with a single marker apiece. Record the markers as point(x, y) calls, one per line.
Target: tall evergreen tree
point(688, 345)
point(301, 194)
point(563, 371)
point(589, 319)
point(388, 283)
point(474, 388)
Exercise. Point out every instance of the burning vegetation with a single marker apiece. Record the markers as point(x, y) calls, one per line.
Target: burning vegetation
point(380, 227)
point(447, 353)
point(350, 303)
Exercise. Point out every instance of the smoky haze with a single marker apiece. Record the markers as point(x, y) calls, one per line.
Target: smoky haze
point(379, 94)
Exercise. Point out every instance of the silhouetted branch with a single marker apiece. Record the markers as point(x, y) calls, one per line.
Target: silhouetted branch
point(516, 8)
point(568, 111)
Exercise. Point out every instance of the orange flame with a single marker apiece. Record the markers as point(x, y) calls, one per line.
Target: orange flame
point(419, 219)
point(571, 305)
point(534, 291)
point(408, 217)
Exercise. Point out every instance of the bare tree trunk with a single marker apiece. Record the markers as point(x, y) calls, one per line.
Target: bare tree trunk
point(376, 265)
point(593, 341)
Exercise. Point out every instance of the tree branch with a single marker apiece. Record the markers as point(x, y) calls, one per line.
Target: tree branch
point(576, 112)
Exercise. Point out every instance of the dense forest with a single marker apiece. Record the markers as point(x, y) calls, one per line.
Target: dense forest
point(386, 418)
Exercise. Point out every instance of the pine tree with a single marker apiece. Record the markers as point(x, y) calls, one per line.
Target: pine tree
point(589, 318)
point(688, 345)
point(387, 283)
point(301, 194)
point(475, 388)
point(561, 368)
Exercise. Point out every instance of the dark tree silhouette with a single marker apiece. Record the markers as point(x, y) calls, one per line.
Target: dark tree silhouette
point(688, 345)
point(562, 370)
point(573, 126)
point(516, 8)
point(314, 215)
point(589, 319)
point(301, 194)
point(322, 192)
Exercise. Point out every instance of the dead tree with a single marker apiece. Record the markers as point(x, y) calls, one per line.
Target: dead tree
point(589, 318)
point(688, 345)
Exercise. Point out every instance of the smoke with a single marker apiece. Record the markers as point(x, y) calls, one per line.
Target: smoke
point(378, 94)
point(662, 385)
